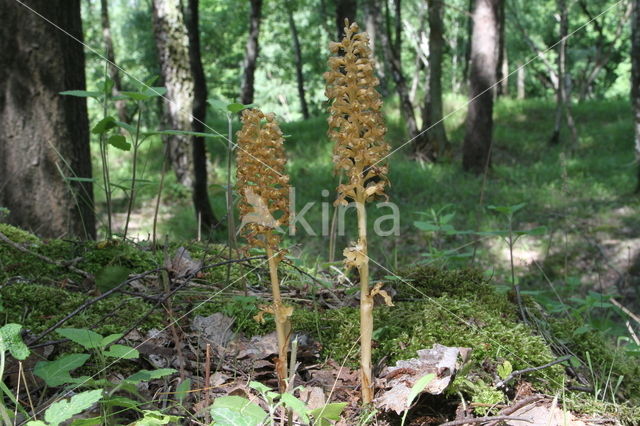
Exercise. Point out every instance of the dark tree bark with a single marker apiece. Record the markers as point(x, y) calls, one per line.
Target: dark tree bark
point(432, 113)
point(42, 133)
point(502, 53)
point(199, 147)
point(563, 97)
point(345, 9)
point(635, 80)
point(107, 39)
point(482, 76)
point(173, 52)
point(392, 55)
point(252, 51)
point(297, 55)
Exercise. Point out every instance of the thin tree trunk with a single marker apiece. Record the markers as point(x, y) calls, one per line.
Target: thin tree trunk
point(199, 148)
point(107, 39)
point(252, 52)
point(504, 75)
point(635, 81)
point(173, 51)
point(297, 55)
point(501, 50)
point(521, 82)
point(482, 76)
point(393, 60)
point(433, 111)
point(43, 134)
point(563, 97)
point(345, 9)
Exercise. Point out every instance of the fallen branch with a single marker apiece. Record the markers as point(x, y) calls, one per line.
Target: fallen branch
point(625, 310)
point(58, 263)
point(485, 420)
point(531, 369)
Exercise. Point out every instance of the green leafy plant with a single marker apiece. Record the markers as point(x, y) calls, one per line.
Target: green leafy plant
point(63, 410)
point(236, 410)
point(10, 341)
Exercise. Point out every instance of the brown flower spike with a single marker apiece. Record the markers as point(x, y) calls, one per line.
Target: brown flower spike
point(264, 206)
point(357, 128)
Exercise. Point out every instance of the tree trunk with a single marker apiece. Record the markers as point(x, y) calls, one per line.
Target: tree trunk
point(521, 82)
point(114, 75)
point(251, 53)
point(563, 98)
point(42, 133)
point(635, 80)
point(297, 54)
point(393, 60)
point(173, 52)
point(502, 52)
point(345, 9)
point(467, 49)
point(199, 147)
point(432, 114)
point(482, 76)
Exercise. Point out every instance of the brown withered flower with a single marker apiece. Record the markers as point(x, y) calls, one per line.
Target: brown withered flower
point(356, 124)
point(357, 128)
point(261, 179)
point(264, 207)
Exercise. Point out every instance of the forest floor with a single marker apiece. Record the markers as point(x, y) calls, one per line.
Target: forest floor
point(577, 261)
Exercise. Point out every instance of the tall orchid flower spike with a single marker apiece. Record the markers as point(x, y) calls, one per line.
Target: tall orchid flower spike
point(357, 128)
point(264, 206)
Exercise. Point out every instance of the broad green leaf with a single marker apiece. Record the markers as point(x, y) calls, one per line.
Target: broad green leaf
point(154, 91)
point(120, 142)
point(152, 417)
point(260, 387)
point(110, 339)
point(136, 96)
point(183, 389)
point(237, 411)
point(62, 411)
point(236, 107)
point(11, 340)
point(56, 373)
point(104, 125)
point(297, 406)
point(36, 423)
point(331, 411)
point(146, 375)
point(81, 93)
point(86, 338)
point(121, 352)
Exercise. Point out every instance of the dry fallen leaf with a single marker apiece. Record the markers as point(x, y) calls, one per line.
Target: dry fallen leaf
point(442, 361)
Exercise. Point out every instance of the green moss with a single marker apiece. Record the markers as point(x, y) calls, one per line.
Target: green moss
point(18, 235)
point(38, 307)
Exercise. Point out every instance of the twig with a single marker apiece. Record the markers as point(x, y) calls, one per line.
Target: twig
point(625, 310)
point(90, 302)
point(531, 369)
point(485, 420)
point(518, 405)
point(58, 263)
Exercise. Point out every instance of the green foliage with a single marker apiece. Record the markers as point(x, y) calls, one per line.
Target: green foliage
point(63, 410)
